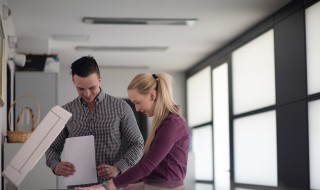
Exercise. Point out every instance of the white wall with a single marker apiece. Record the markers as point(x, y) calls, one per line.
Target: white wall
point(8, 29)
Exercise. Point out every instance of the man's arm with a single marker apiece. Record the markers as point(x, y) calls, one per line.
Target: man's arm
point(53, 154)
point(131, 134)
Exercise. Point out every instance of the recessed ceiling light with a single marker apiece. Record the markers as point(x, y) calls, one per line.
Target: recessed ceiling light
point(70, 37)
point(140, 21)
point(122, 48)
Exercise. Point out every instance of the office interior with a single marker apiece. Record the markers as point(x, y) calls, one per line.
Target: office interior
point(252, 106)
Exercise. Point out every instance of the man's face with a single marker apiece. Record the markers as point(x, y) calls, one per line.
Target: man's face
point(88, 87)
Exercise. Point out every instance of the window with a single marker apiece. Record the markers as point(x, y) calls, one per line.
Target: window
point(199, 98)
point(255, 149)
point(221, 138)
point(253, 74)
point(313, 46)
point(202, 147)
point(314, 143)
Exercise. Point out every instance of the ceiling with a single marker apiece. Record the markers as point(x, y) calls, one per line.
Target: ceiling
point(218, 23)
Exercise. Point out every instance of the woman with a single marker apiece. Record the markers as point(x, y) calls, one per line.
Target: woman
point(164, 163)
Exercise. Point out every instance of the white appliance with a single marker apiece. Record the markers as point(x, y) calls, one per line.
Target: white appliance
point(35, 146)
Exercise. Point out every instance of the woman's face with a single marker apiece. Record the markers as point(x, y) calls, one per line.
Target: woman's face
point(143, 102)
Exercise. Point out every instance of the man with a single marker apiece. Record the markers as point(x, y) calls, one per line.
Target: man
point(108, 119)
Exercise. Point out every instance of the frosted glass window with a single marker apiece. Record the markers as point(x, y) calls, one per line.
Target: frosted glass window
point(199, 98)
point(203, 186)
point(253, 74)
point(314, 143)
point(202, 148)
point(313, 46)
point(255, 149)
point(221, 127)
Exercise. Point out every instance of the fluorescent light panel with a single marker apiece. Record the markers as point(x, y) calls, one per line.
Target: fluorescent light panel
point(122, 48)
point(140, 21)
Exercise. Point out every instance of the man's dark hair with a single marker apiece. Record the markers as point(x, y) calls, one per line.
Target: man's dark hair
point(85, 66)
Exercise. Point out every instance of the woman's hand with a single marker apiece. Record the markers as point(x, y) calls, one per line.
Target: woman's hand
point(107, 171)
point(64, 169)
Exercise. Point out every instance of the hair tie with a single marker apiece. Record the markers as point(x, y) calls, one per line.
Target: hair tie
point(155, 76)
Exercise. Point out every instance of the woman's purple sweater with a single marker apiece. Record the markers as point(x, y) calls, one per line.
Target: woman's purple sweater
point(165, 164)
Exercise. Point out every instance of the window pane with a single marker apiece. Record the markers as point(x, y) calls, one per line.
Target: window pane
point(314, 143)
point(221, 127)
point(255, 149)
point(253, 74)
point(199, 97)
point(202, 147)
point(313, 46)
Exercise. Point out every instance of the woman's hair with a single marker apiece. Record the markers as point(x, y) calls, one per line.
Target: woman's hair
point(85, 66)
point(164, 103)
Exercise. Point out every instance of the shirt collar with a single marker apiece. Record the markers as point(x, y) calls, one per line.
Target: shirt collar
point(98, 98)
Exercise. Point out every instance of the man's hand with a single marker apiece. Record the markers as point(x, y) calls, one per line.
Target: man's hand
point(64, 169)
point(107, 171)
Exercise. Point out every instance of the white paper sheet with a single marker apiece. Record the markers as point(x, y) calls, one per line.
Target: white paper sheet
point(80, 152)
